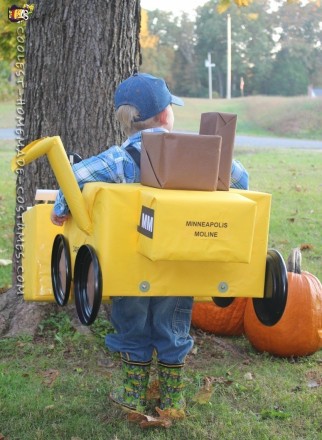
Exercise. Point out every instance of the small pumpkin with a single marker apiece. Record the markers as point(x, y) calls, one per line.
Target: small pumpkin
point(224, 321)
point(299, 330)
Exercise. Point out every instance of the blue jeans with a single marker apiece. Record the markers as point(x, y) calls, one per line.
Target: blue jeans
point(151, 323)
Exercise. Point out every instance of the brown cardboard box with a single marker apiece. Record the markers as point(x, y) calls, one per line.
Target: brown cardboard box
point(224, 125)
point(180, 161)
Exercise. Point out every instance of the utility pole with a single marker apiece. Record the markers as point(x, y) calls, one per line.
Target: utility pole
point(228, 96)
point(209, 66)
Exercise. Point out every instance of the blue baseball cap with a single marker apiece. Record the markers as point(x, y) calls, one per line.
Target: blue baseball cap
point(148, 94)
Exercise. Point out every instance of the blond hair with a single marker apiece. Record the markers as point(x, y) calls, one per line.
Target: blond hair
point(127, 116)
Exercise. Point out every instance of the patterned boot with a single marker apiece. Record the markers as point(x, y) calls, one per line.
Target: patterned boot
point(171, 387)
point(132, 395)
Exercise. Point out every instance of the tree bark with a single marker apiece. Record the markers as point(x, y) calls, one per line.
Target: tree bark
point(77, 52)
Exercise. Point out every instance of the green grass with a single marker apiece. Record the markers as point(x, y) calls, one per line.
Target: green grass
point(57, 388)
point(294, 178)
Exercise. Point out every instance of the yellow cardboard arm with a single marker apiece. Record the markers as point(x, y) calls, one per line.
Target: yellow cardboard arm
point(53, 147)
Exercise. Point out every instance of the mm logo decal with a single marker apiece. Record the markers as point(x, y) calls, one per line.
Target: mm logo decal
point(146, 222)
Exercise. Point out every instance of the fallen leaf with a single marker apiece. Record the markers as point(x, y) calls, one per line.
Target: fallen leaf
point(203, 396)
point(194, 351)
point(2, 437)
point(248, 376)
point(155, 421)
point(306, 246)
point(223, 380)
point(171, 413)
point(135, 417)
point(145, 421)
point(49, 377)
point(20, 344)
point(314, 379)
point(106, 363)
point(313, 384)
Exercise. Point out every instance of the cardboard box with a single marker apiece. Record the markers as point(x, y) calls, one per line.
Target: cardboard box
point(224, 125)
point(180, 161)
point(196, 226)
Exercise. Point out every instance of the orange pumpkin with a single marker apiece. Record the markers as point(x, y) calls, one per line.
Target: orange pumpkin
point(299, 330)
point(225, 321)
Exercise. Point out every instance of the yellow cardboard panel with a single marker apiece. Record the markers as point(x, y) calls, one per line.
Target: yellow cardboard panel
point(196, 226)
point(39, 235)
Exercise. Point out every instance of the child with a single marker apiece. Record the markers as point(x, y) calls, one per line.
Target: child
point(143, 325)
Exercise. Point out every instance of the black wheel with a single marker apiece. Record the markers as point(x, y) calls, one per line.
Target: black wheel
point(61, 270)
point(270, 309)
point(223, 302)
point(87, 284)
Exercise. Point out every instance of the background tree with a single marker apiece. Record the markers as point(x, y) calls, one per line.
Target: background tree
point(77, 53)
point(259, 32)
point(185, 68)
point(288, 77)
point(298, 34)
point(252, 44)
point(159, 60)
point(8, 44)
point(7, 33)
point(173, 56)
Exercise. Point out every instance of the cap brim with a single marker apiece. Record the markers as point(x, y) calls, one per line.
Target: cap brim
point(177, 101)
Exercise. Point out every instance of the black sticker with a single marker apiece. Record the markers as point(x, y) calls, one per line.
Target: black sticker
point(146, 222)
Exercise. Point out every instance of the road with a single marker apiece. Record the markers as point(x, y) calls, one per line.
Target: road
point(240, 141)
point(265, 142)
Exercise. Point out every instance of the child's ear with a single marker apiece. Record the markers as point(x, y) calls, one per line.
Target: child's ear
point(163, 116)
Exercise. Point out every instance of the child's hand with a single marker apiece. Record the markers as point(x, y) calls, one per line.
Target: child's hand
point(58, 220)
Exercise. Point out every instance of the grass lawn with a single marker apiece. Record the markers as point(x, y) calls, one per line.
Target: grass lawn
point(56, 386)
point(294, 178)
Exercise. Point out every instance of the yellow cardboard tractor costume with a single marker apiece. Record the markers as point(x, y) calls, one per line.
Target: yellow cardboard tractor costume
point(135, 240)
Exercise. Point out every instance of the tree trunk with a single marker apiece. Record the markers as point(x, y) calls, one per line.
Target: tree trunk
point(77, 52)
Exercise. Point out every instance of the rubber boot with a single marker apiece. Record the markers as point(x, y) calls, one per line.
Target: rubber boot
point(171, 387)
point(132, 395)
